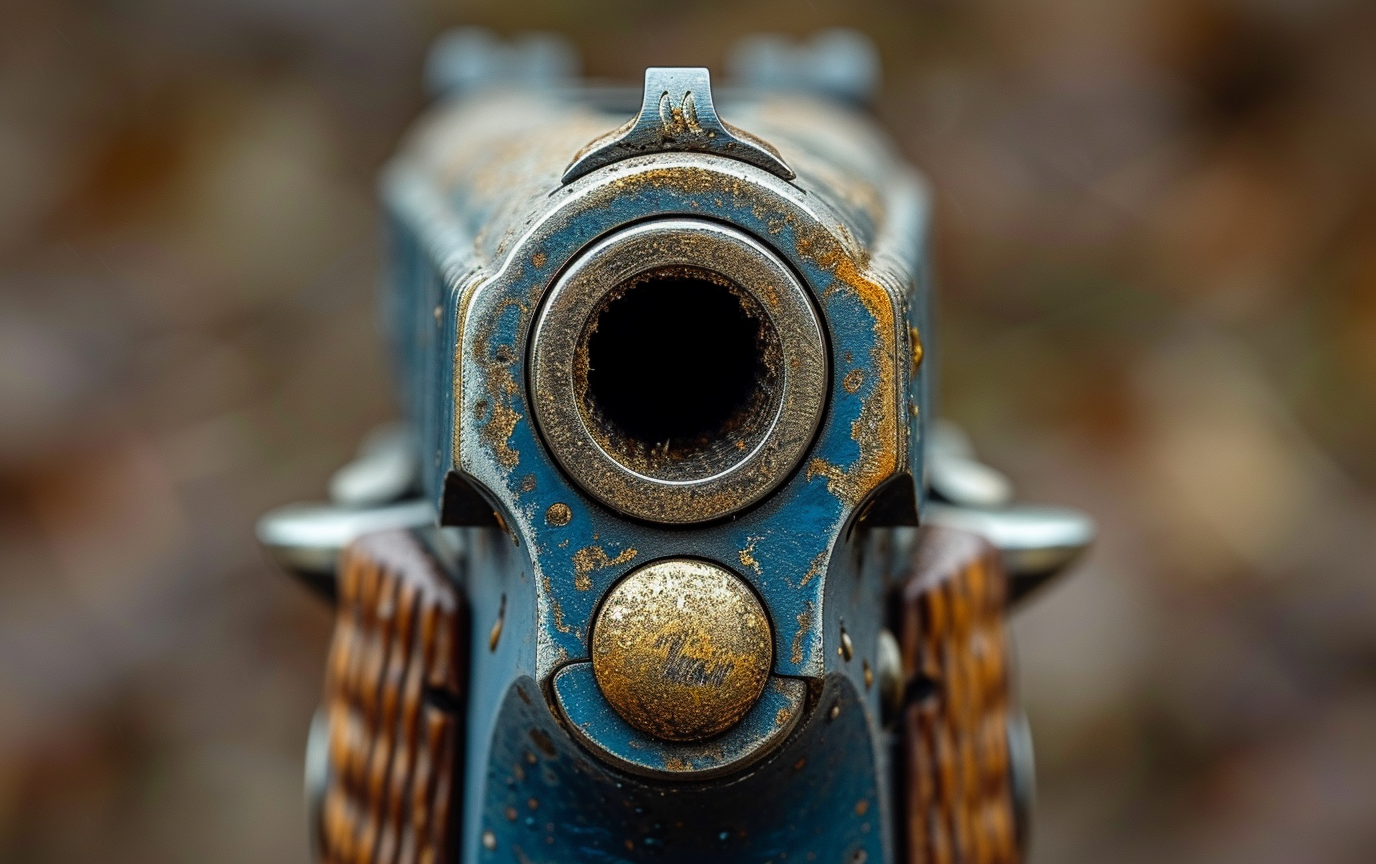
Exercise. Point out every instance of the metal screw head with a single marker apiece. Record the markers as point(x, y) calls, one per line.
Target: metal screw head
point(682, 649)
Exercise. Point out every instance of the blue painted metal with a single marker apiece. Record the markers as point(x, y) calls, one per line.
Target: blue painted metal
point(550, 801)
point(480, 226)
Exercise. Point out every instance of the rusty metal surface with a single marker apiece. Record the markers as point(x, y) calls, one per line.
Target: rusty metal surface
point(861, 444)
point(681, 649)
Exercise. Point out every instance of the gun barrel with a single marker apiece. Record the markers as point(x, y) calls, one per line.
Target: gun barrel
point(680, 370)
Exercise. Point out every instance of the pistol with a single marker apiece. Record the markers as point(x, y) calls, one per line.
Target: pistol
point(666, 562)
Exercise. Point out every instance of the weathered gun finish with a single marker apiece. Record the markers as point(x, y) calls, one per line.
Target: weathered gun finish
point(666, 385)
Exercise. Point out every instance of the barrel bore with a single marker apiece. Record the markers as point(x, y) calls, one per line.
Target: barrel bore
point(678, 370)
point(679, 373)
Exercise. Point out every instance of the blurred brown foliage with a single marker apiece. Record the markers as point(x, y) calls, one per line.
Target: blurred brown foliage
point(1157, 239)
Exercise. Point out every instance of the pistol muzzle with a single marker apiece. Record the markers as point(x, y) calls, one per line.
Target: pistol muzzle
point(678, 370)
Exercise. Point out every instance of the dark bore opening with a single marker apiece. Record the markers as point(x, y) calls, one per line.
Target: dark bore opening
point(681, 374)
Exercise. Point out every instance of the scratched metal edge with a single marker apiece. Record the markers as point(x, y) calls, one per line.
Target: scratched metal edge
point(581, 703)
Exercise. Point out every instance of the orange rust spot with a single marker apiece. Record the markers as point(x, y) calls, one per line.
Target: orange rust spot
point(747, 556)
point(814, 568)
point(501, 523)
point(502, 391)
point(556, 608)
point(591, 558)
point(804, 619)
point(876, 429)
point(853, 380)
point(538, 259)
point(558, 514)
point(820, 467)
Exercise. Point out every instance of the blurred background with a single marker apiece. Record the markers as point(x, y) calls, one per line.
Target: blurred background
point(1156, 227)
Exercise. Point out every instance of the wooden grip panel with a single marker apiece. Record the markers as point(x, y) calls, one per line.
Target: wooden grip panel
point(394, 691)
point(959, 805)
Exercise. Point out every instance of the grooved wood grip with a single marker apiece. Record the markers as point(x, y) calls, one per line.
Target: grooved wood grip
point(958, 776)
point(396, 673)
